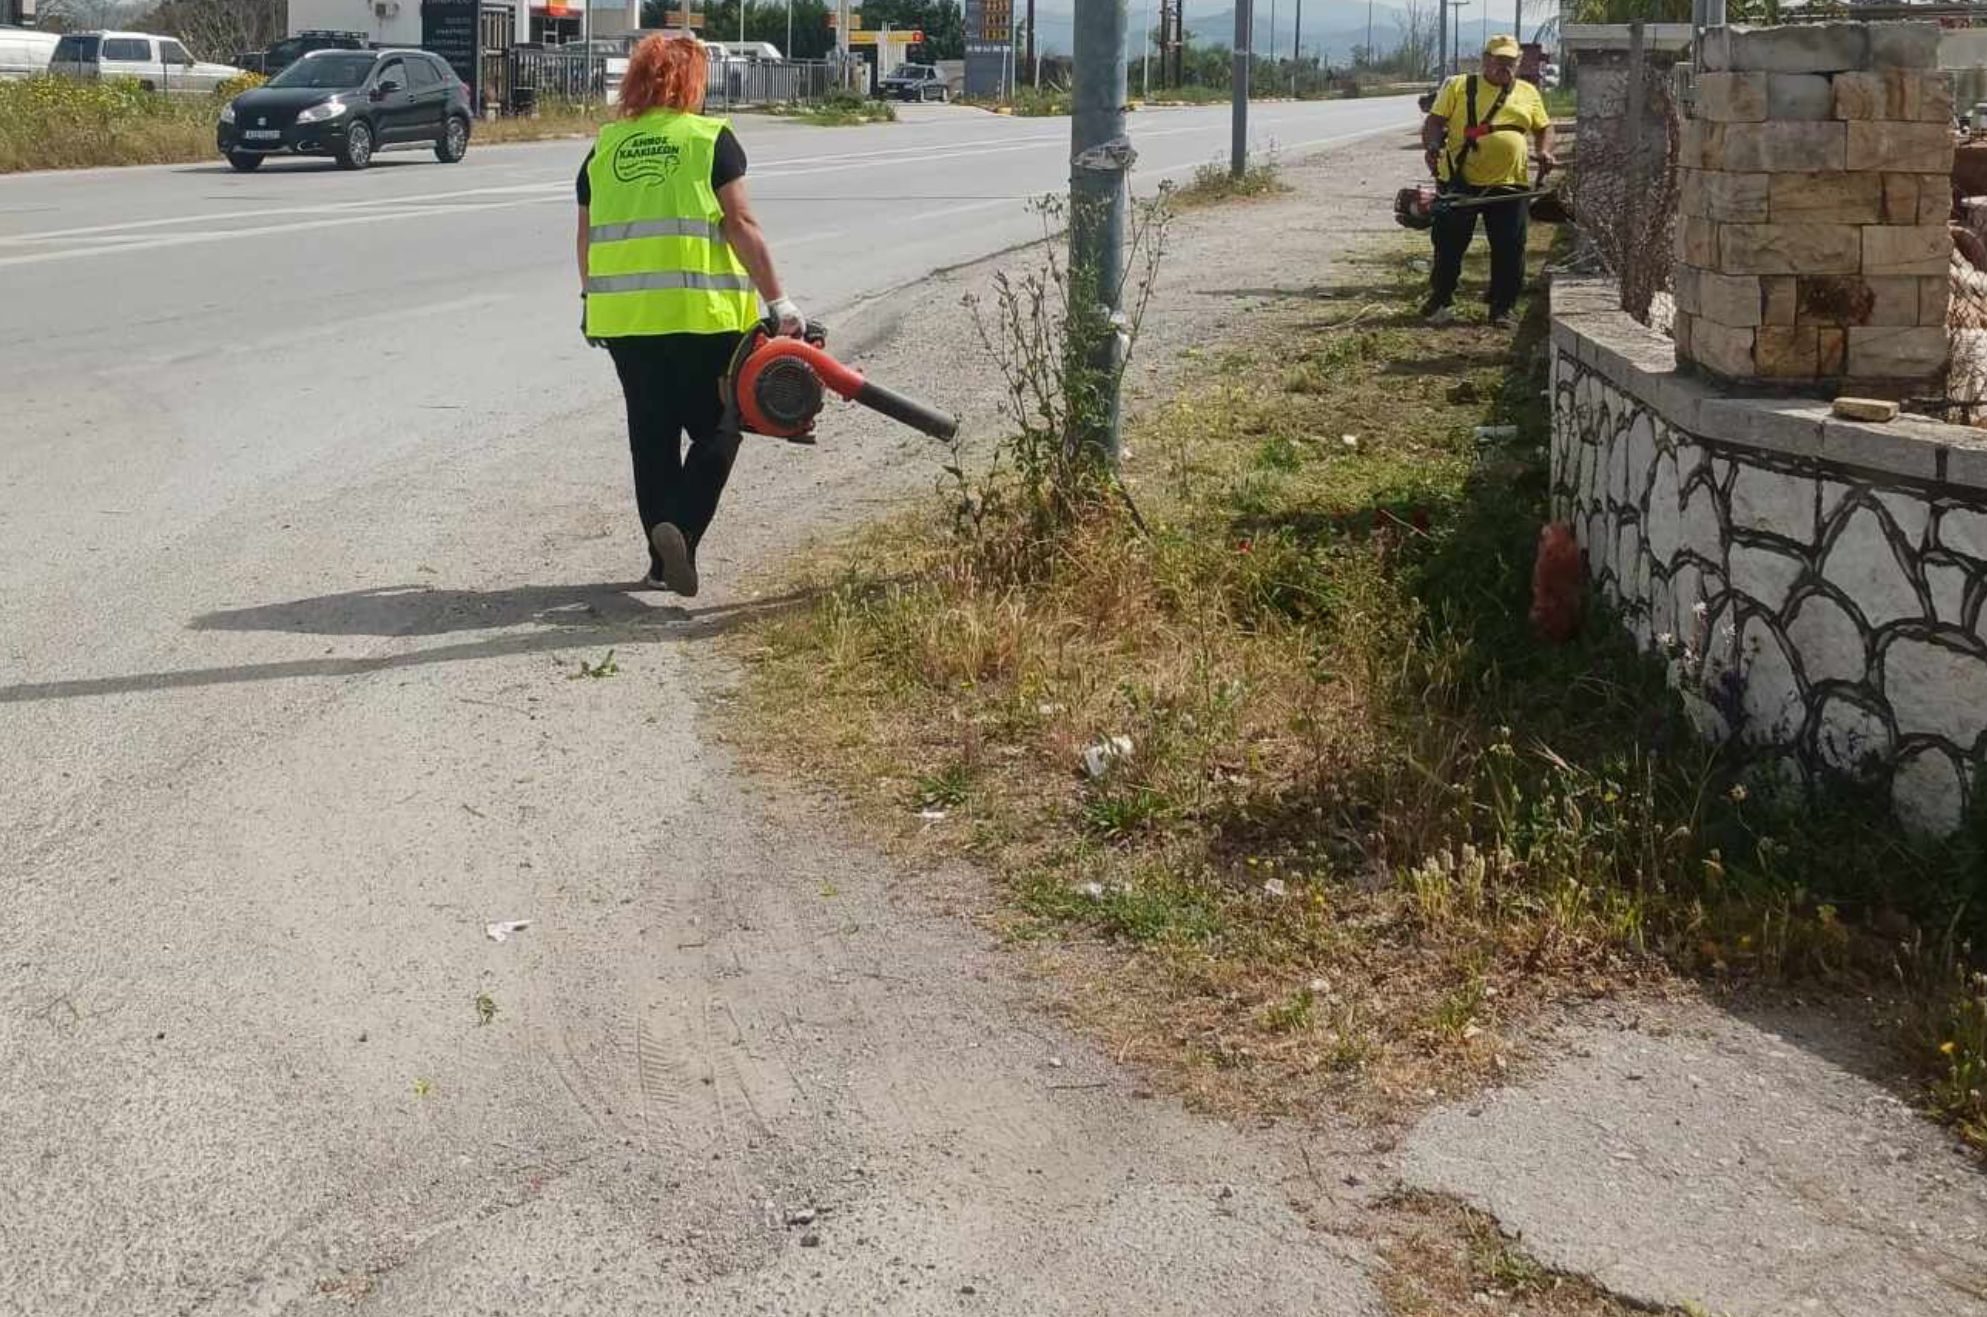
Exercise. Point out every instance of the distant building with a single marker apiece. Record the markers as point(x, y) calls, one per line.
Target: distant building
point(19, 13)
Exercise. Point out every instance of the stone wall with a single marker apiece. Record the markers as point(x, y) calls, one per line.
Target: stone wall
point(1818, 586)
point(1811, 242)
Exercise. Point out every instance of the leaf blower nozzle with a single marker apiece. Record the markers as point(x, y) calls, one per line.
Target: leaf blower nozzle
point(778, 385)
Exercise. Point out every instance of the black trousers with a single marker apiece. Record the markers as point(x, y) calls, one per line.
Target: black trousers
point(670, 382)
point(1504, 224)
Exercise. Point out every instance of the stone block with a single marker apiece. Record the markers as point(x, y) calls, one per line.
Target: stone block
point(1796, 95)
point(1731, 97)
point(1789, 248)
point(1935, 199)
point(1897, 354)
point(1721, 349)
point(1794, 147)
point(1934, 299)
point(1831, 352)
point(1899, 95)
point(1906, 249)
point(1680, 324)
point(1776, 425)
point(1900, 199)
point(1828, 640)
point(1863, 565)
point(1864, 409)
point(1714, 51)
point(1928, 793)
point(1763, 574)
point(1902, 45)
point(1905, 148)
point(1833, 198)
point(1808, 48)
point(1860, 95)
point(1728, 299)
point(1933, 102)
point(1849, 737)
point(1787, 352)
point(1779, 299)
point(1731, 198)
point(1936, 690)
point(1773, 502)
point(1847, 299)
point(1697, 242)
point(1700, 145)
point(1898, 448)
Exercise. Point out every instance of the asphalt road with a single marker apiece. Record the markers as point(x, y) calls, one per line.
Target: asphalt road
point(310, 500)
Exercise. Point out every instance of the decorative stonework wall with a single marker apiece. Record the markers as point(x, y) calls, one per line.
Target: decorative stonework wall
point(1819, 586)
point(1815, 190)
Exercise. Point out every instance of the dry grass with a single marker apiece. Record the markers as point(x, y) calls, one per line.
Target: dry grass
point(1446, 1260)
point(1369, 826)
point(50, 123)
point(1214, 182)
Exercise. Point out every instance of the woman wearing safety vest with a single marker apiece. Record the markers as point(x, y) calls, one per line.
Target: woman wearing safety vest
point(1476, 135)
point(672, 266)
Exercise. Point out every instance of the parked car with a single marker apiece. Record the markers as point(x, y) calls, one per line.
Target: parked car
point(155, 63)
point(349, 105)
point(25, 54)
point(282, 54)
point(914, 82)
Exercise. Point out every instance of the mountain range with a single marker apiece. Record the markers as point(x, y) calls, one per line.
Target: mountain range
point(1332, 28)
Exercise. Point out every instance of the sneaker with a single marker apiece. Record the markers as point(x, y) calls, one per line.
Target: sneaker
point(1501, 320)
point(679, 571)
point(1438, 313)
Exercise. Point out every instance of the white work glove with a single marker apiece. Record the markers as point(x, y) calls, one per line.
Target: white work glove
point(792, 323)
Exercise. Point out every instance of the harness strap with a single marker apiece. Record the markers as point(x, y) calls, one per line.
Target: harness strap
point(1475, 127)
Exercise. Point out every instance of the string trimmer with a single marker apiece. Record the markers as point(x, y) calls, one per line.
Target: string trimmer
point(1416, 207)
point(778, 385)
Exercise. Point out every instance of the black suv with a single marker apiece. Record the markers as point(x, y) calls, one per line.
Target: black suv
point(349, 104)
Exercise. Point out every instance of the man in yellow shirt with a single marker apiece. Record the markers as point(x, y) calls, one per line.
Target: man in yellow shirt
point(1476, 133)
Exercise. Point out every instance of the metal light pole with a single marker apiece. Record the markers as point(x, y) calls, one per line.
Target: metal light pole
point(1145, 69)
point(1099, 156)
point(1297, 45)
point(789, 49)
point(1441, 40)
point(1238, 147)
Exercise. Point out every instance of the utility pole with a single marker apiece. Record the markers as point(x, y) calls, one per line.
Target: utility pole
point(1297, 45)
point(1238, 148)
point(1145, 71)
point(1028, 54)
point(1099, 157)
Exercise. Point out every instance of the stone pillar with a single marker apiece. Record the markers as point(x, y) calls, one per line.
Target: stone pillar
point(1812, 241)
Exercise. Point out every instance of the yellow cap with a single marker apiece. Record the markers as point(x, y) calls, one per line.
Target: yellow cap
point(1503, 45)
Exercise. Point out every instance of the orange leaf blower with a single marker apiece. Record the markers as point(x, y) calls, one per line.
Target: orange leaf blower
point(777, 387)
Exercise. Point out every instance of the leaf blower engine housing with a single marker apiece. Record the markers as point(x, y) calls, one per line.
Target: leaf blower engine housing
point(776, 386)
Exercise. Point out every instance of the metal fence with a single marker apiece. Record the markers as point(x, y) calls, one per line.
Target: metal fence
point(541, 77)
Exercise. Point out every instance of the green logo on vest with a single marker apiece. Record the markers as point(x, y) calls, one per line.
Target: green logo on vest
point(646, 155)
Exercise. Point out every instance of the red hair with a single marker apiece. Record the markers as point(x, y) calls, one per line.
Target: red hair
point(665, 73)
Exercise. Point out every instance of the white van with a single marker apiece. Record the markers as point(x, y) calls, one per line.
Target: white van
point(25, 54)
point(156, 63)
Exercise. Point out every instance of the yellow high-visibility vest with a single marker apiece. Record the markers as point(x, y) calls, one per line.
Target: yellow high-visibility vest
point(657, 261)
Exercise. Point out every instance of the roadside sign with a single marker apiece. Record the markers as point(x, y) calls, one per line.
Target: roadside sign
point(910, 38)
point(835, 20)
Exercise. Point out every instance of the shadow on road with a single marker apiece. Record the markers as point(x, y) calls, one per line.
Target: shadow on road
point(561, 615)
